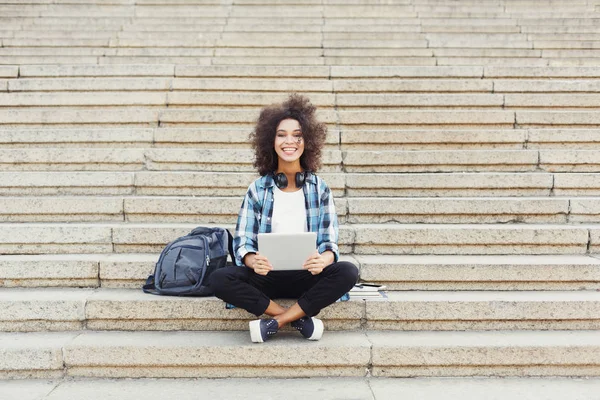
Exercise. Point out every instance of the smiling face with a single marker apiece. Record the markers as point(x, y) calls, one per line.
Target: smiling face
point(289, 144)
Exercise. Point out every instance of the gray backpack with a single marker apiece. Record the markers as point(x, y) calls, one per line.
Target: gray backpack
point(185, 265)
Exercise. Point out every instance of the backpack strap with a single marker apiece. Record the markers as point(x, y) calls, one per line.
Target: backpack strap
point(230, 246)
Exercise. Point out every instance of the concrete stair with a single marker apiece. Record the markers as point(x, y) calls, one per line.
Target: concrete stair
point(462, 154)
point(60, 309)
point(229, 354)
point(297, 389)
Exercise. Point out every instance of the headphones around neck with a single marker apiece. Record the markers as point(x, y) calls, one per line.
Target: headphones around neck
point(281, 180)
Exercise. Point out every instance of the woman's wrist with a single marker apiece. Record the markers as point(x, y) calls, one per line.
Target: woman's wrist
point(248, 260)
point(328, 256)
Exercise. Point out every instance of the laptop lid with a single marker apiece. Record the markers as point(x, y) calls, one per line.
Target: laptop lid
point(287, 251)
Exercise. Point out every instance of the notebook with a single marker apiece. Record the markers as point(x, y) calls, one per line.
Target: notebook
point(287, 251)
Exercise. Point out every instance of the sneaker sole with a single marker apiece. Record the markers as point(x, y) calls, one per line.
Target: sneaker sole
point(318, 331)
point(255, 334)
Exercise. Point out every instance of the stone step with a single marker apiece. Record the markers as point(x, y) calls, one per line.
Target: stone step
point(146, 183)
point(136, 116)
point(27, 310)
point(353, 161)
point(355, 139)
point(333, 72)
point(434, 118)
point(515, 62)
point(552, 72)
point(224, 210)
point(231, 354)
point(338, 72)
point(471, 160)
point(398, 239)
point(147, 138)
point(50, 60)
point(419, 100)
point(179, 183)
point(164, 84)
point(472, 184)
point(82, 98)
point(548, 85)
point(430, 272)
point(363, 388)
point(132, 159)
point(409, 85)
point(376, 239)
point(408, 272)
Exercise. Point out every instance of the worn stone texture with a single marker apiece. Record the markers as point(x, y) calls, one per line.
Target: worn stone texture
point(132, 309)
point(359, 139)
point(546, 85)
point(419, 100)
point(222, 71)
point(219, 159)
point(76, 137)
point(418, 117)
point(451, 272)
point(449, 184)
point(457, 210)
point(440, 160)
point(42, 270)
point(86, 84)
point(254, 85)
point(469, 239)
point(412, 85)
point(240, 99)
point(406, 72)
point(484, 310)
point(83, 159)
point(26, 353)
point(219, 116)
point(47, 309)
point(212, 137)
point(49, 208)
point(96, 70)
point(9, 71)
point(570, 160)
point(139, 116)
point(485, 353)
point(60, 183)
point(119, 354)
point(79, 99)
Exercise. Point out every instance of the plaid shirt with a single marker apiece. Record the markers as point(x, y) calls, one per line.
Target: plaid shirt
point(257, 210)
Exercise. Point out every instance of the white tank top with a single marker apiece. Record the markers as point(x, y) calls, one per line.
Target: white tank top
point(289, 212)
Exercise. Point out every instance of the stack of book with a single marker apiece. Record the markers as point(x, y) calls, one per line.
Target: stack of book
point(367, 291)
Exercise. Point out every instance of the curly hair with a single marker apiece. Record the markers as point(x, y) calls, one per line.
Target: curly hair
point(296, 107)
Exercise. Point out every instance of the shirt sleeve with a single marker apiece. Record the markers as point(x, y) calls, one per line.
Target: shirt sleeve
point(246, 229)
point(328, 224)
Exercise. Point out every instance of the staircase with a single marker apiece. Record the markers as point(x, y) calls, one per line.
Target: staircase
point(462, 153)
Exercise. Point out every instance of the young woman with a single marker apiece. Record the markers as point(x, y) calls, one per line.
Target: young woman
point(288, 197)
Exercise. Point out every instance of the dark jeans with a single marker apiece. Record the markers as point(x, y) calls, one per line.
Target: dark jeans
point(244, 288)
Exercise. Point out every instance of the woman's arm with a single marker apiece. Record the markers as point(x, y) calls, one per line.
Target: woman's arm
point(246, 229)
point(327, 237)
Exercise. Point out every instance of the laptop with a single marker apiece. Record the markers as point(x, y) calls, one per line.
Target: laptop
point(287, 251)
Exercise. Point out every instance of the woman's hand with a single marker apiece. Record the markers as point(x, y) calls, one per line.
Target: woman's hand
point(316, 263)
point(260, 264)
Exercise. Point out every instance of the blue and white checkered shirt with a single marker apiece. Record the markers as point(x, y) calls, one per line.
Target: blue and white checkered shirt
point(257, 210)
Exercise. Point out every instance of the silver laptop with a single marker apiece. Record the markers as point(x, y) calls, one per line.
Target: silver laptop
point(287, 251)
